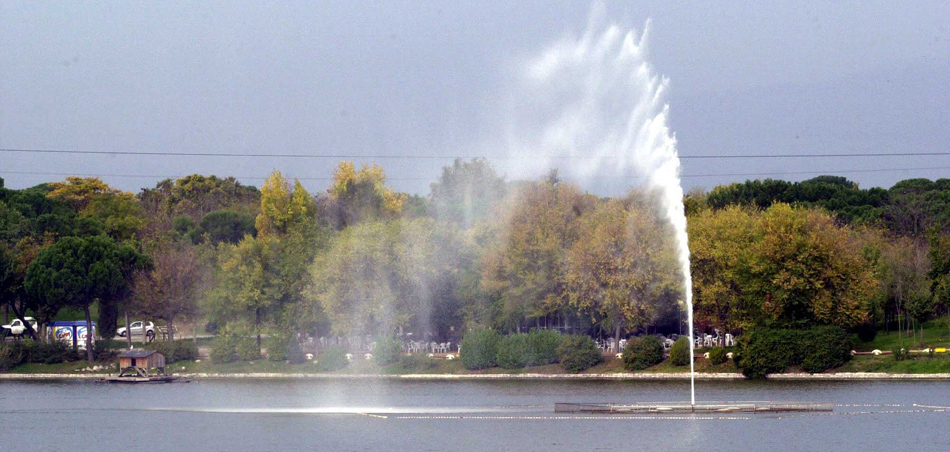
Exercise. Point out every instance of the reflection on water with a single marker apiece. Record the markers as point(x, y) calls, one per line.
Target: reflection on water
point(494, 415)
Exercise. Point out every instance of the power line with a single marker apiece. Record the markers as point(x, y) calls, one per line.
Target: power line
point(450, 157)
point(848, 171)
point(684, 176)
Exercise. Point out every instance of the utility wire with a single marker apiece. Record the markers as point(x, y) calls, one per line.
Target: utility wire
point(684, 176)
point(450, 157)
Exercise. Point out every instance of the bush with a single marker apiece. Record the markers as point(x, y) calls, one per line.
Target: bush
point(9, 357)
point(387, 351)
point(826, 347)
point(181, 350)
point(717, 356)
point(900, 354)
point(765, 351)
point(332, 358)
point(679, 353)
point(224, 349)
point(480, 349)
point(248, 350)
point(417, 362)
point(277, 344)
point(642, 352)
point(542, 347)
point(578, 353)
point(295, 354)
point(513, 351)
point(27, 351)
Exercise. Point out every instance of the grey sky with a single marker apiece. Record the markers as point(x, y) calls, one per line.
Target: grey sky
point(412, 78)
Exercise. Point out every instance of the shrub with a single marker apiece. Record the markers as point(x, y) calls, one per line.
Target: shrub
point(578, 353)
point(224, 348)
point(480, 348)
point(542, 347)
point(642, 352)
point(9, 357)
point(277, 344)
point(826, 347)
point(182, 350)
point(717, 356)
point(764, 351)
point(513, 351)
point(387, 351)
point(295, 354)
point(332, 358)
point(417, 362)
point(248, 350)
point(679, 353)
point(27, 351)
point(899, 354)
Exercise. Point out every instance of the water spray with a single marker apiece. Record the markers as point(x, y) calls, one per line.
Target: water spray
point(598, 97)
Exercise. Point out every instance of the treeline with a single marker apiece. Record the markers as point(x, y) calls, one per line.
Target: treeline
point(363, 259)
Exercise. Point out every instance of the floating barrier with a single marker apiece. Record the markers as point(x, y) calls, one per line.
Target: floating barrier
point(703, 408)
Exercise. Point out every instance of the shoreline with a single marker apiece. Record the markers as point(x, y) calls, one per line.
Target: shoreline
point(842, 376)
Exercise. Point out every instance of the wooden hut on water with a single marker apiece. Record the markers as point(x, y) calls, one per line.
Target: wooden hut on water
point(139, 363)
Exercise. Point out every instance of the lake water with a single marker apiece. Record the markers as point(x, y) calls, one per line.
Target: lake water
point(461, 416)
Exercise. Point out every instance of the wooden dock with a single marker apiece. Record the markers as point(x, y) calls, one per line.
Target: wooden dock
point(151, 379)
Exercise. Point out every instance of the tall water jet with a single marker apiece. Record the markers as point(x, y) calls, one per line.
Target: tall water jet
point(594, 106)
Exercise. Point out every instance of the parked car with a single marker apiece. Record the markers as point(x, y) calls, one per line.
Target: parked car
point(18, 328)
point(136, 329)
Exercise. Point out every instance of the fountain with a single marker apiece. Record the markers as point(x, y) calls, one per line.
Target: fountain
point(596, 101)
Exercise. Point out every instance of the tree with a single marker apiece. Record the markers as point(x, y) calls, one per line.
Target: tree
point(120, 213)
point(524, 267)
point(361, 196)
point(466, 192)
point(807, 269)
point(906, 279)
point(173, 285)
point(381, 277)
point(283, 208)
point(79, 192)
point(721, 243)
point(623, 267)
point(12, 293)
point(195, 196)
point(78, 271)
point(248, 289)
point(225, 226)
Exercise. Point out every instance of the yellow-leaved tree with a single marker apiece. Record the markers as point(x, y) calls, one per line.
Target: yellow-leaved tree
point(283, 208)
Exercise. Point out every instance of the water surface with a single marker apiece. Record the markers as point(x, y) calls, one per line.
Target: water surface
point(464, 416)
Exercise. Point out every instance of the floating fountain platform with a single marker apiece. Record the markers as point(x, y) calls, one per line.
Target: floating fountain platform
point(686, 408)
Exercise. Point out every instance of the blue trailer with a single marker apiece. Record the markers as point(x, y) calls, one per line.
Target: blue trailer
point(71, 332)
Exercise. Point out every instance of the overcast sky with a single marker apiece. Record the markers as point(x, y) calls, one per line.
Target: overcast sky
point(422, 78)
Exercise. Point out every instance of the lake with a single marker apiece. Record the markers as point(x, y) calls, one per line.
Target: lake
point(461, 416)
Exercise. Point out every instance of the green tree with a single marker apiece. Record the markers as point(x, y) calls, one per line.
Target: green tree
point(225, 226)
point(808, 269)
point(77, 272)
point(721, 244)
point(524, 267)
point(623, 266)
point(379, 278)
point(467, 192)
point(248, 289)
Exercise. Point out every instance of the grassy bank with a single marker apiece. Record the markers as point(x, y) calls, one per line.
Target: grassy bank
point(936, 334)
